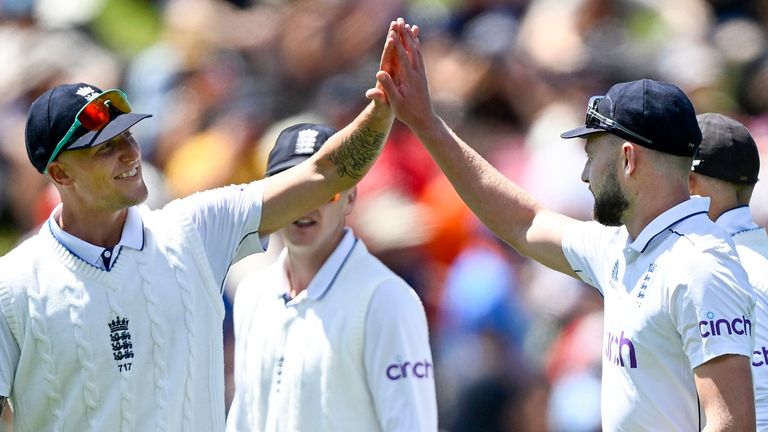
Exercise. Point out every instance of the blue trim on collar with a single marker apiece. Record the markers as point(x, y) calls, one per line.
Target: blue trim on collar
point(328, 273)
point(133, 231)
point(668, 228)
point(338, 270)
point(132, 237)
point(737, 220)
point(692, 207)
point(53, 234)
point(746, 230)
point(324, 279)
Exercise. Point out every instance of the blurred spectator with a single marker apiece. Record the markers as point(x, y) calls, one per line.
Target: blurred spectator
point(481, 324)
point(226, 151)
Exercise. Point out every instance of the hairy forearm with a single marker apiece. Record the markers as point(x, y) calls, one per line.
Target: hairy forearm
point(481, 186)
point(2, 404)
point(509, 211)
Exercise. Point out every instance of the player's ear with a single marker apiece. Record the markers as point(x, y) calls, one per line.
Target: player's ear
point(629, 155)
point(59, 173)
point(350, 200)
point(693, 184)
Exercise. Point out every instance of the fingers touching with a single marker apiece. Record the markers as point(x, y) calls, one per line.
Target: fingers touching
point(401, 82)
point(389, 65)
point(408, 37)
point(401, 50)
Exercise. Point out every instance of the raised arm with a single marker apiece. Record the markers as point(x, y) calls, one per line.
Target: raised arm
point(341, 162)
point(509, 211)
point(724, 386)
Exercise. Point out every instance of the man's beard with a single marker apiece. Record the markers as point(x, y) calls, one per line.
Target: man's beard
point(611, 203)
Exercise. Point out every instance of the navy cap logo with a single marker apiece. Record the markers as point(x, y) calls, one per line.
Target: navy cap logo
point(87, 92)
point(305, 142)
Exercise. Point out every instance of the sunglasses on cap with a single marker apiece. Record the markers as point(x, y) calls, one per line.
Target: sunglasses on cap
point(596, 120)
point(93, 116)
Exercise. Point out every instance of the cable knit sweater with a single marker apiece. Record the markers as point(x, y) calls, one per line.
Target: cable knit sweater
point(70, 319)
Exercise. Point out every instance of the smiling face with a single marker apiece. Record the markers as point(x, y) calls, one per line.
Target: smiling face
point(601, 173)
point(106, 177)
point(319, 231)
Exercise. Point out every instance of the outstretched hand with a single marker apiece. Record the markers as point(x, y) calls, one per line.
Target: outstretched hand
point(402, 80)
point(387, 64)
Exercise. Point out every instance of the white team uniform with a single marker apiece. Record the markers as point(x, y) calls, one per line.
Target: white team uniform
point(138, 346)
point(349, 353)
point(675, 298)
point(752, 246)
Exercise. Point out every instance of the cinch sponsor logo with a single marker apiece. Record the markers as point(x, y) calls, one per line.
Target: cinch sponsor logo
point(713, 327)
point(405, 369)
point(616, 347)
point(760, 357)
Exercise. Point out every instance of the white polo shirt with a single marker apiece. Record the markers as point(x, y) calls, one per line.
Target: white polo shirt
point(752, 245)
point(277, 352)
point(675, 298)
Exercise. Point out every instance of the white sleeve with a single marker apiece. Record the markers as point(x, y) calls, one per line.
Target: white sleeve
point(227, 219)
point(585, 247)
point(398, 360)
point(9, 357)
point(713, 308)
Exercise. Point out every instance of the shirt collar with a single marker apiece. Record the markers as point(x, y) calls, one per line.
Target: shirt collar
point(694, 206)
point(327, 274)
point(132, 237)
point(133, 231)
point(737, 220)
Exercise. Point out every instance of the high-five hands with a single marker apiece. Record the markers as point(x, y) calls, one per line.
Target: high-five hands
point(402, 81)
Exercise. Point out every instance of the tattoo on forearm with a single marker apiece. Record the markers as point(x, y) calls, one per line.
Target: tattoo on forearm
point(356, 153)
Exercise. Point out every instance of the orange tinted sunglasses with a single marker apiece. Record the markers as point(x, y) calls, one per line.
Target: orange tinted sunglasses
point(93, 116)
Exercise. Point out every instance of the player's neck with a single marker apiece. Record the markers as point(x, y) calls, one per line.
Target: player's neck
point(721, 204)
point(302, 264)
point(98, 228)
point(641, 214)
point(300, 270)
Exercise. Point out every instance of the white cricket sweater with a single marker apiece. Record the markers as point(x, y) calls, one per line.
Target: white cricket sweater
point(155, 318)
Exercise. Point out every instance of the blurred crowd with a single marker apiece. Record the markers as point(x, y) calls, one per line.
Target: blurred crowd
point(517, 347)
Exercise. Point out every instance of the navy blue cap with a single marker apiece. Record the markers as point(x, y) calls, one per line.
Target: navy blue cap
point(295, 144)
point(53, 113)
point(657, 111)
point(727, 151)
